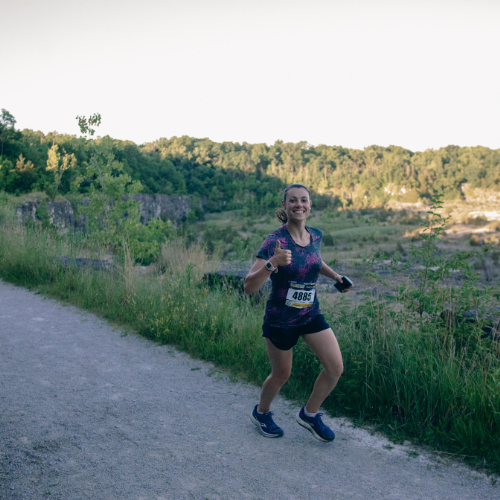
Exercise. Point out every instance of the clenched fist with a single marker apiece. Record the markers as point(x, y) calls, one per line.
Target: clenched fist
point(281, 256)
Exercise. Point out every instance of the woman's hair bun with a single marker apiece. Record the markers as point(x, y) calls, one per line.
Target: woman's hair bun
point(281, 215)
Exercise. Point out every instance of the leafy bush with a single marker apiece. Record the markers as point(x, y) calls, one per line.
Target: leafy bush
point(474, 240)
point(381, 215)
point(328, 240)
point(7, 211)
point(495, 255)
point(400, 249)
point(475, 221)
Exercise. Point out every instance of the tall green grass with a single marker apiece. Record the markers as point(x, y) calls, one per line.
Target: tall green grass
point(413, 379)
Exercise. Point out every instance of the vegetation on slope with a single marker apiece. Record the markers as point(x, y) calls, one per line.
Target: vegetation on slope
point(249, 176)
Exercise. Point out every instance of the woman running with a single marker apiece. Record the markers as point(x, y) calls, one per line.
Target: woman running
point(291, 255)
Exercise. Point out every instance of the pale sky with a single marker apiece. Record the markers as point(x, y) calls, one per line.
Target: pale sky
point(414, 73)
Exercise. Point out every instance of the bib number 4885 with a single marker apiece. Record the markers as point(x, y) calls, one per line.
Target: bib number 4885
point(300, 295)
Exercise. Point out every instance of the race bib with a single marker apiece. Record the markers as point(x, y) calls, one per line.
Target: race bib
point(300, 294)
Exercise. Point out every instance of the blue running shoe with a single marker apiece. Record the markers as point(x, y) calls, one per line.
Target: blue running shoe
point(265, 424)
point(314, 424)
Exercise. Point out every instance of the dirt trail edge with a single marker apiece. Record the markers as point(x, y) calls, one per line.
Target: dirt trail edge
point(88, 413)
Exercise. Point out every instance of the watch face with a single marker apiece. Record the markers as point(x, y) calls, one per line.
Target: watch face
point(269, 266)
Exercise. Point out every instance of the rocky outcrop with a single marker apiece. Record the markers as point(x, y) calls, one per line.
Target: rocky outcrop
point(171, 207)
point(61, 214)
point(480, 195)
point(57, 213)
point(83, 262)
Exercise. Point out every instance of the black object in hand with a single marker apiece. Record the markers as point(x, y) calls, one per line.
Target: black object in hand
point(346, 283)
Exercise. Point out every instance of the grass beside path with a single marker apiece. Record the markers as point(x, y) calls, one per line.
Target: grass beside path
point(412, 380)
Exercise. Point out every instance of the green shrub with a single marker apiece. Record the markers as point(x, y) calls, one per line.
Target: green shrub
point(474, 240)
point(382, 215)
point(495, 255)
point(400, 249)
point(7, 211)
point(328, 240)
point(477, 221)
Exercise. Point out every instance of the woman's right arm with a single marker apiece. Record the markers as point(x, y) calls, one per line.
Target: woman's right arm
point(259, 273)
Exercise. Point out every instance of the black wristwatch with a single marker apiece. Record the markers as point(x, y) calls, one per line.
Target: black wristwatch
point(270, 267)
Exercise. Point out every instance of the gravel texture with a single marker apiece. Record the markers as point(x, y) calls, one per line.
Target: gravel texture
point(87, 412)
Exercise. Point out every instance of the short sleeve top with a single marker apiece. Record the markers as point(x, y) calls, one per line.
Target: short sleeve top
point(304, 269)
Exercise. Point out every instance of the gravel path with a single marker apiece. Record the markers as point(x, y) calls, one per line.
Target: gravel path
point(87, 412)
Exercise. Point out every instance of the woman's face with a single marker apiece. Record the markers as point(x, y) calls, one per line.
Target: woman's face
point(297, 205)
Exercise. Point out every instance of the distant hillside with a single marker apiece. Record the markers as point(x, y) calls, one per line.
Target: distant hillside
point(233, 175)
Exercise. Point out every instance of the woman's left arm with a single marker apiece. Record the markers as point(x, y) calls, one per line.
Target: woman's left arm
point(329, 272)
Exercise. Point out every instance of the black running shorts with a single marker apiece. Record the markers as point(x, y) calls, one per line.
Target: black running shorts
point(285, 338)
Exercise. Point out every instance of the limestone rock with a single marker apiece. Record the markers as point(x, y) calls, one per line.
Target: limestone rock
point(171, 207)
point(60, 213)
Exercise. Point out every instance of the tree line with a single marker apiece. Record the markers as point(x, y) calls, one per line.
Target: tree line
point(249, 176)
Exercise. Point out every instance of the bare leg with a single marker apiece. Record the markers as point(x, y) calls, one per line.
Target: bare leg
point(281, 364)
point(324, 344)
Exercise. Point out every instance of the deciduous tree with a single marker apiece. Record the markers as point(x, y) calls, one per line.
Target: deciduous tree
point(7, 122)
point(58, 165)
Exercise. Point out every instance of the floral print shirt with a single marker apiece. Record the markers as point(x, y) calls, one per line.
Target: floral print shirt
point(303, 270)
